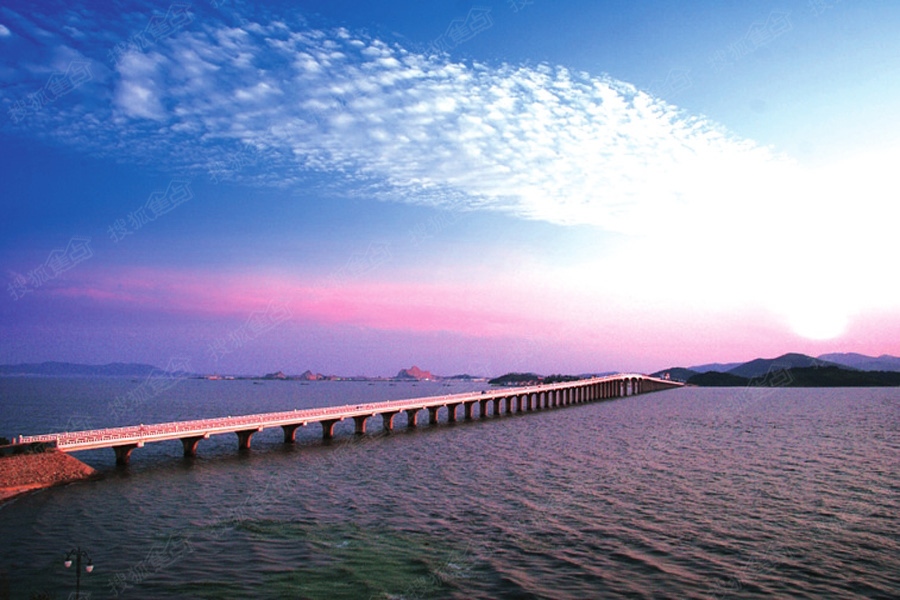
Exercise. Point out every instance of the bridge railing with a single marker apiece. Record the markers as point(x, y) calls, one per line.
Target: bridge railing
point(140, 433)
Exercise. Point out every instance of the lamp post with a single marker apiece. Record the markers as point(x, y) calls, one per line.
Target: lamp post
point(78, 553)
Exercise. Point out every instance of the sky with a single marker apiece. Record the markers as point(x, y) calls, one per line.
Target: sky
point(512, 185)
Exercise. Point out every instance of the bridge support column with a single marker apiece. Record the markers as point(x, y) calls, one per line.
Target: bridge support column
point(496, 402)
point(328, 428)
point(411, 415)
point(360, 421)
point(290, 432)
point(482, 408)
point(433, 415)
point(508, 401)
point(387, 420)
point(123, 453)
point(467, 410)
point(451, 412)
point(244, 438)
point(190, 445)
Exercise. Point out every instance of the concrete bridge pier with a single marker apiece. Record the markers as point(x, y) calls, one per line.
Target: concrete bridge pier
point(290, 432)
point(387, 420)
point(244, 438)
point(190, 444)
point(467, 410)
point(433, 415)
point(482, 408)
point(496, 402)
point(411, 416)
point(508, 402)
point(328, 428)
point(451, 412)
point(360, 421)
point(123, 453)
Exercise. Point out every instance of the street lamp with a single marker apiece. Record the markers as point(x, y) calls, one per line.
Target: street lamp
point(78, 553)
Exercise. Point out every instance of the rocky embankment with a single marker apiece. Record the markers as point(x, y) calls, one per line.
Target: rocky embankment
point(20, 473)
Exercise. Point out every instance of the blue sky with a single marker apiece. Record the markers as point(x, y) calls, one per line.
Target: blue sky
point(356, 187)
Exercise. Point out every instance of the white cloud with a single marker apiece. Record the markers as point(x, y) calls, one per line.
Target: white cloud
point(139, 91)
point(535, 142)
point(4, 31)
point(541, 143)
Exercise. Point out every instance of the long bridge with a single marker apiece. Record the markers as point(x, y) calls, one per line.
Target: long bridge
point(123, 440)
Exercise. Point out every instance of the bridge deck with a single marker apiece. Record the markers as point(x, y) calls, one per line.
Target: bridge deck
point(138, 435)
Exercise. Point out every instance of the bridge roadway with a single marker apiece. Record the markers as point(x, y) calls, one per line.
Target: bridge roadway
point(523, 399)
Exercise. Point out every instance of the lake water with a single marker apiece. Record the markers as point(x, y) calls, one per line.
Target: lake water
point(689, 493)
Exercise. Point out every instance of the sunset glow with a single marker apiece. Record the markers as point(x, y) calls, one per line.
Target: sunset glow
point(625, 197)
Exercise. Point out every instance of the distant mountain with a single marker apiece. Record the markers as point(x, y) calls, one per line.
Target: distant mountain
point(720, 367)
point(308, 375)
point(64, 369)
point(862, 362)
point(415, 373)
point(676, 373)
point(516, 379)
point(464, 377)
point(816, 376)
point(762, 366)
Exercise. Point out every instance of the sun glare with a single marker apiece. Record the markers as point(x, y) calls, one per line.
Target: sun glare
point(819, 324)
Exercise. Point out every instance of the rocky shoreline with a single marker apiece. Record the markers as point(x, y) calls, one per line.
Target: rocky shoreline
point(21, 473)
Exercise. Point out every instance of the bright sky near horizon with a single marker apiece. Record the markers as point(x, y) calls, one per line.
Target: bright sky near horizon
point(355, 187)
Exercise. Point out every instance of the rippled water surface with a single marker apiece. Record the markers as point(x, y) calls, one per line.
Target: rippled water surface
point(691, 493)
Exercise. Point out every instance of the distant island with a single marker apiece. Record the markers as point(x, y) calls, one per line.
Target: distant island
point(180, 370)
point(521, 379)
point(794, 370)
point(787, 370)
point(66, 369)
point(413, 373)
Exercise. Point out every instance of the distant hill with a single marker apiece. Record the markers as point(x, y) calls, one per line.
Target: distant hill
point(720, 367)
point(761, 366)
point(676, 373)
point(65, 369)
point(829, 376)
point(308, 375)
point(862, 362)
point(841, 377)
point(516, 379)
point(415, 373)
